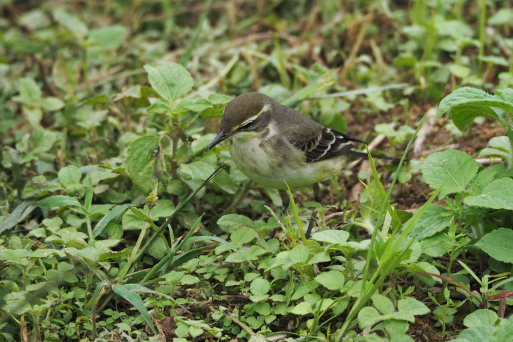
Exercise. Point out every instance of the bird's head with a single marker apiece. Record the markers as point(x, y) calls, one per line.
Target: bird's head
point(249, 112)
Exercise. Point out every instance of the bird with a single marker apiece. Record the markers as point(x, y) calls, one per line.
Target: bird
point(280, 148)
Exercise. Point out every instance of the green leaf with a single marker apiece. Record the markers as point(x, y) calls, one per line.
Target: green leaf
point(459, 70)
point(170, 80)
point(30, 93)
point(242, 235)
point(331, 236)
point(480, 318)
point(412, 306)
point(332, 280)
point(299, 254)
point(112, 214)
point(504, 16)
point(164, 208)
point(159, 107)
point(70, 177)
point(368, 316)
point(97, 100)
point(229, 223)
point(189, 280)
point(301, 309)
point(141, 160)
point(383, 304)
point(58, 201)
point(109, 37)
point(259, 288)
point(135, 300)
point(433, 220)
point(14, 255)
point(263, 308)
point(496, 195)
point(18, 214)
point(199, 170)
point(499, 147)
point(465, 104)
point(449, 171)
point(498, 244)
point(71, 22)
point(52, 104)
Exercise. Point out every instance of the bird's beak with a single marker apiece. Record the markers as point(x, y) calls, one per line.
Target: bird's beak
point(219, 138)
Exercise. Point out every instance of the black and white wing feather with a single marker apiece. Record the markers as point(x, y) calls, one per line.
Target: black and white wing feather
point(328, 144)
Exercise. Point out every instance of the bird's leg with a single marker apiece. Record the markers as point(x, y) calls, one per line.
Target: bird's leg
point(317, 197)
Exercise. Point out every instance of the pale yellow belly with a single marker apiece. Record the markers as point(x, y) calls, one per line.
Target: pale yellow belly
point(283, 164)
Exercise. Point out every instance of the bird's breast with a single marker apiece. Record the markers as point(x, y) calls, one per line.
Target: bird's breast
point(270, 160)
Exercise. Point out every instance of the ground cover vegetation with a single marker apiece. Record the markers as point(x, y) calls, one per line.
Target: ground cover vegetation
point(116, 224)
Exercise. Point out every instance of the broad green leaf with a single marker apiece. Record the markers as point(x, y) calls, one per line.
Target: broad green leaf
point(504, 16)
point(299, 254)
point(44, 140)
point(383, 304)
point(494, 60)
point(189, 279)
point(368, 316)
point(52, 104)
point(499, 147)
point(301, 309)
point(70, 177)
point(465, 104)
point(141, 160)
point(498, 244)
point(259, 288)
point(450, 171)
point(159, 107)
point(34, 19)
point(164, 208)
point(231, 222)
point(112, 214)
point(132, 297)
point(30, 93)
point(263, 308)
point(483, 178)
point(480, 318)
point(242, 235)
point(412, 306)
point(14, 255)
point(58, 201)
point(109, 37)
point(459, 70)
point(385, 129)
point(198, 170)
point(71, 22)
point(496, 195)
point(433, 220)
point(332, 280)
point(331, 236)
point(477, 334)
point(170, 80)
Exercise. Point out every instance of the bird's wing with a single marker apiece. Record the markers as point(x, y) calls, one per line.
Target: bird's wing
point(325, 145)
point(315, 141)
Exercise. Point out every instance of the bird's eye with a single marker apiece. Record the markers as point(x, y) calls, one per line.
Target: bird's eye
point(246, 125)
